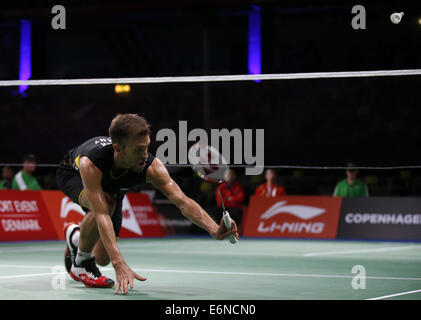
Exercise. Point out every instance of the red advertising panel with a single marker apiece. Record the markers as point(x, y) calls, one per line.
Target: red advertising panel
point(24, 216)
point(42, 215)
point(293, 217)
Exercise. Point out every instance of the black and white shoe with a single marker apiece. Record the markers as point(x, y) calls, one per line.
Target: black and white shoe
point(89, 274)
point(71, 249)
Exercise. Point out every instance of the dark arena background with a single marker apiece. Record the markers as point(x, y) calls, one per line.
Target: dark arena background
point(318, 123)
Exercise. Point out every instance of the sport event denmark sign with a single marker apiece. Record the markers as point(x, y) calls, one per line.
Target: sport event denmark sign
point(23, 216)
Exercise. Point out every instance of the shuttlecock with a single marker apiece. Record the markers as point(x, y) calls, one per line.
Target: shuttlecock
point(396, 17)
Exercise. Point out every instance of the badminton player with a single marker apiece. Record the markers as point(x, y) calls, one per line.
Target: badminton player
point(96, 175)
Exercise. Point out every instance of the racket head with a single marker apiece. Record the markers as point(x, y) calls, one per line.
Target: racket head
point(208, 163)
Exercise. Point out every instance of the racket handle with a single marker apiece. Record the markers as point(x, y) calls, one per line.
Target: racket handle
point(227, 221)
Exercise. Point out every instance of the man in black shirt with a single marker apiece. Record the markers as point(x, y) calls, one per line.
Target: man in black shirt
point(96, 175)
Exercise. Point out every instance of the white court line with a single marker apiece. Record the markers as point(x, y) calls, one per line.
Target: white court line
point(24, 266)
point(395, 295)
point(385, 249)
point(142, 245)
point(255, 254)
point(209, 253)
point(31, 275)
point(31, 249)
point(268, 274)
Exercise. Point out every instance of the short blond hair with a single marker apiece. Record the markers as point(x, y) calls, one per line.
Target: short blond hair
point(124, 126)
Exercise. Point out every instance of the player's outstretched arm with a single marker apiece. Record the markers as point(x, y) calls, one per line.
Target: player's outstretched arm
point(159, 177)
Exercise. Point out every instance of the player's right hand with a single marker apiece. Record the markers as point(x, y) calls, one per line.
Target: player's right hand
point(125, 276)
point(222, 232)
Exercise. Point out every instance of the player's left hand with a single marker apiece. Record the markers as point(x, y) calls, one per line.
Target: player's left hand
point(222, 232)
point(125, 276)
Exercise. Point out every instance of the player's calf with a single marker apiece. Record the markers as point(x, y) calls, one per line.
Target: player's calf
point(100, 254)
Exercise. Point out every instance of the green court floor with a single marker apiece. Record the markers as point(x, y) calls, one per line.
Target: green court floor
point(202, 268)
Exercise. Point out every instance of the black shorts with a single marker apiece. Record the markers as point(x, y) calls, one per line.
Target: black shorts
point(70, 183)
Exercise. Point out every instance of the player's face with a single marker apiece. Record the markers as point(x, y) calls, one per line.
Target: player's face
point(136, 153)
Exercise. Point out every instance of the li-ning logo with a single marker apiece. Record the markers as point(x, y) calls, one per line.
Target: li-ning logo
point(300, 211)
point(303, 212)
point(67, 205)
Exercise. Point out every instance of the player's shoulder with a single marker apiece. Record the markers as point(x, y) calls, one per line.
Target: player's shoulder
point(98, 150)
point(97, 145)
point(156, 171)
point(99, 142)
point(154, 165)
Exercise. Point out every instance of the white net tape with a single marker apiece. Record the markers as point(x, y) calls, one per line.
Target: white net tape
point(248, 77)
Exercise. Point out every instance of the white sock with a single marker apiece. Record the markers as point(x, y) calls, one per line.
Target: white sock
point(82, 256)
